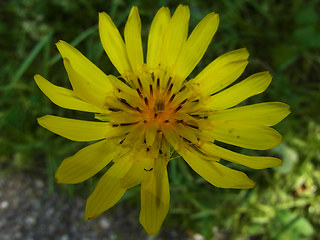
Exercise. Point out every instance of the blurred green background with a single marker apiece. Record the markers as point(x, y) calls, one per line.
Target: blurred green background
point(282, 37)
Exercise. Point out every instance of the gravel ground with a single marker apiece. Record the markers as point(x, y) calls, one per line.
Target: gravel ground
point(28, 212)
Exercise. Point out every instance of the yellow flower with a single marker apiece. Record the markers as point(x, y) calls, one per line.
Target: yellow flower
point(151, 109)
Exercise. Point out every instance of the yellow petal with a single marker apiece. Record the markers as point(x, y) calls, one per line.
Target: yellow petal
point(221, 72)
point(76, 130)
point(86, 163)
point(176, 35)
point(108, 190)
point(86, 89)
point(249, 161)
point(132, 36)
point(155, 198)
point(113, 43)
point(139, 172)
point(268, 114)
point(84, 67)
point(156, 35)
point(230, 97)
point(64, 97)
point(245, 135)
point(196, 45)
point(171, 136)
point(217, 174)
point(151, 133)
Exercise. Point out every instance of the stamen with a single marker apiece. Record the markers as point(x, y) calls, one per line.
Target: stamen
point(172, 97)
point(178, 108)
point(152, 76)
point(140, 84)
point(139, 92)
point(146, 101)
point(198, 116)
point(186, 140)
point(114, 109)
point(125, 102)
point(192, 126)
point(151, 89)
point(184, 101)
point(169, 81)
point(170, 88)
point(183, 88)
point(160, 105)
point(128, 124)
point(158, 83)
point(197, 149)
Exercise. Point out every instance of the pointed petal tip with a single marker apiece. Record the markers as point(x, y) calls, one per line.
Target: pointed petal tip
point(102, 14)
point(36, 77)
point(88, 217)
point(60, 43)
point(42, 119)
point(251, 184)
point(278, 163)
point(248, 185)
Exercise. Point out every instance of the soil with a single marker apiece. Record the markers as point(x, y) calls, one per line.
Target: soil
point(29, 212)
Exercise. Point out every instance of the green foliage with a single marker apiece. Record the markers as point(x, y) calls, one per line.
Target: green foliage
point(281, 37)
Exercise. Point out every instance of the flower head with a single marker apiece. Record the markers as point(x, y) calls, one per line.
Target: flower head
point(151, 109)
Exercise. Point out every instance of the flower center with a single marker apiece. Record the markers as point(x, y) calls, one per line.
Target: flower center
point(148, 104)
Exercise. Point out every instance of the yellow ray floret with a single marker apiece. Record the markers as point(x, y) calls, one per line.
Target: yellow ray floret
point(152, 109)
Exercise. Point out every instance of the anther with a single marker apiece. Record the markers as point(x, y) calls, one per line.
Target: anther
point(128, 124)
point(125, 102)
point(178, 108)
point(140, 84)
point(184, 101)
point(139, 92)
point(172, 97)
point(169, 81)
point(114, 109)
point(193, 126)
point(170, 88)
point(146, 101)
point(151, 89)
point(152, 76)
point(158, 83)
point(186, 140)
point(183, 88)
